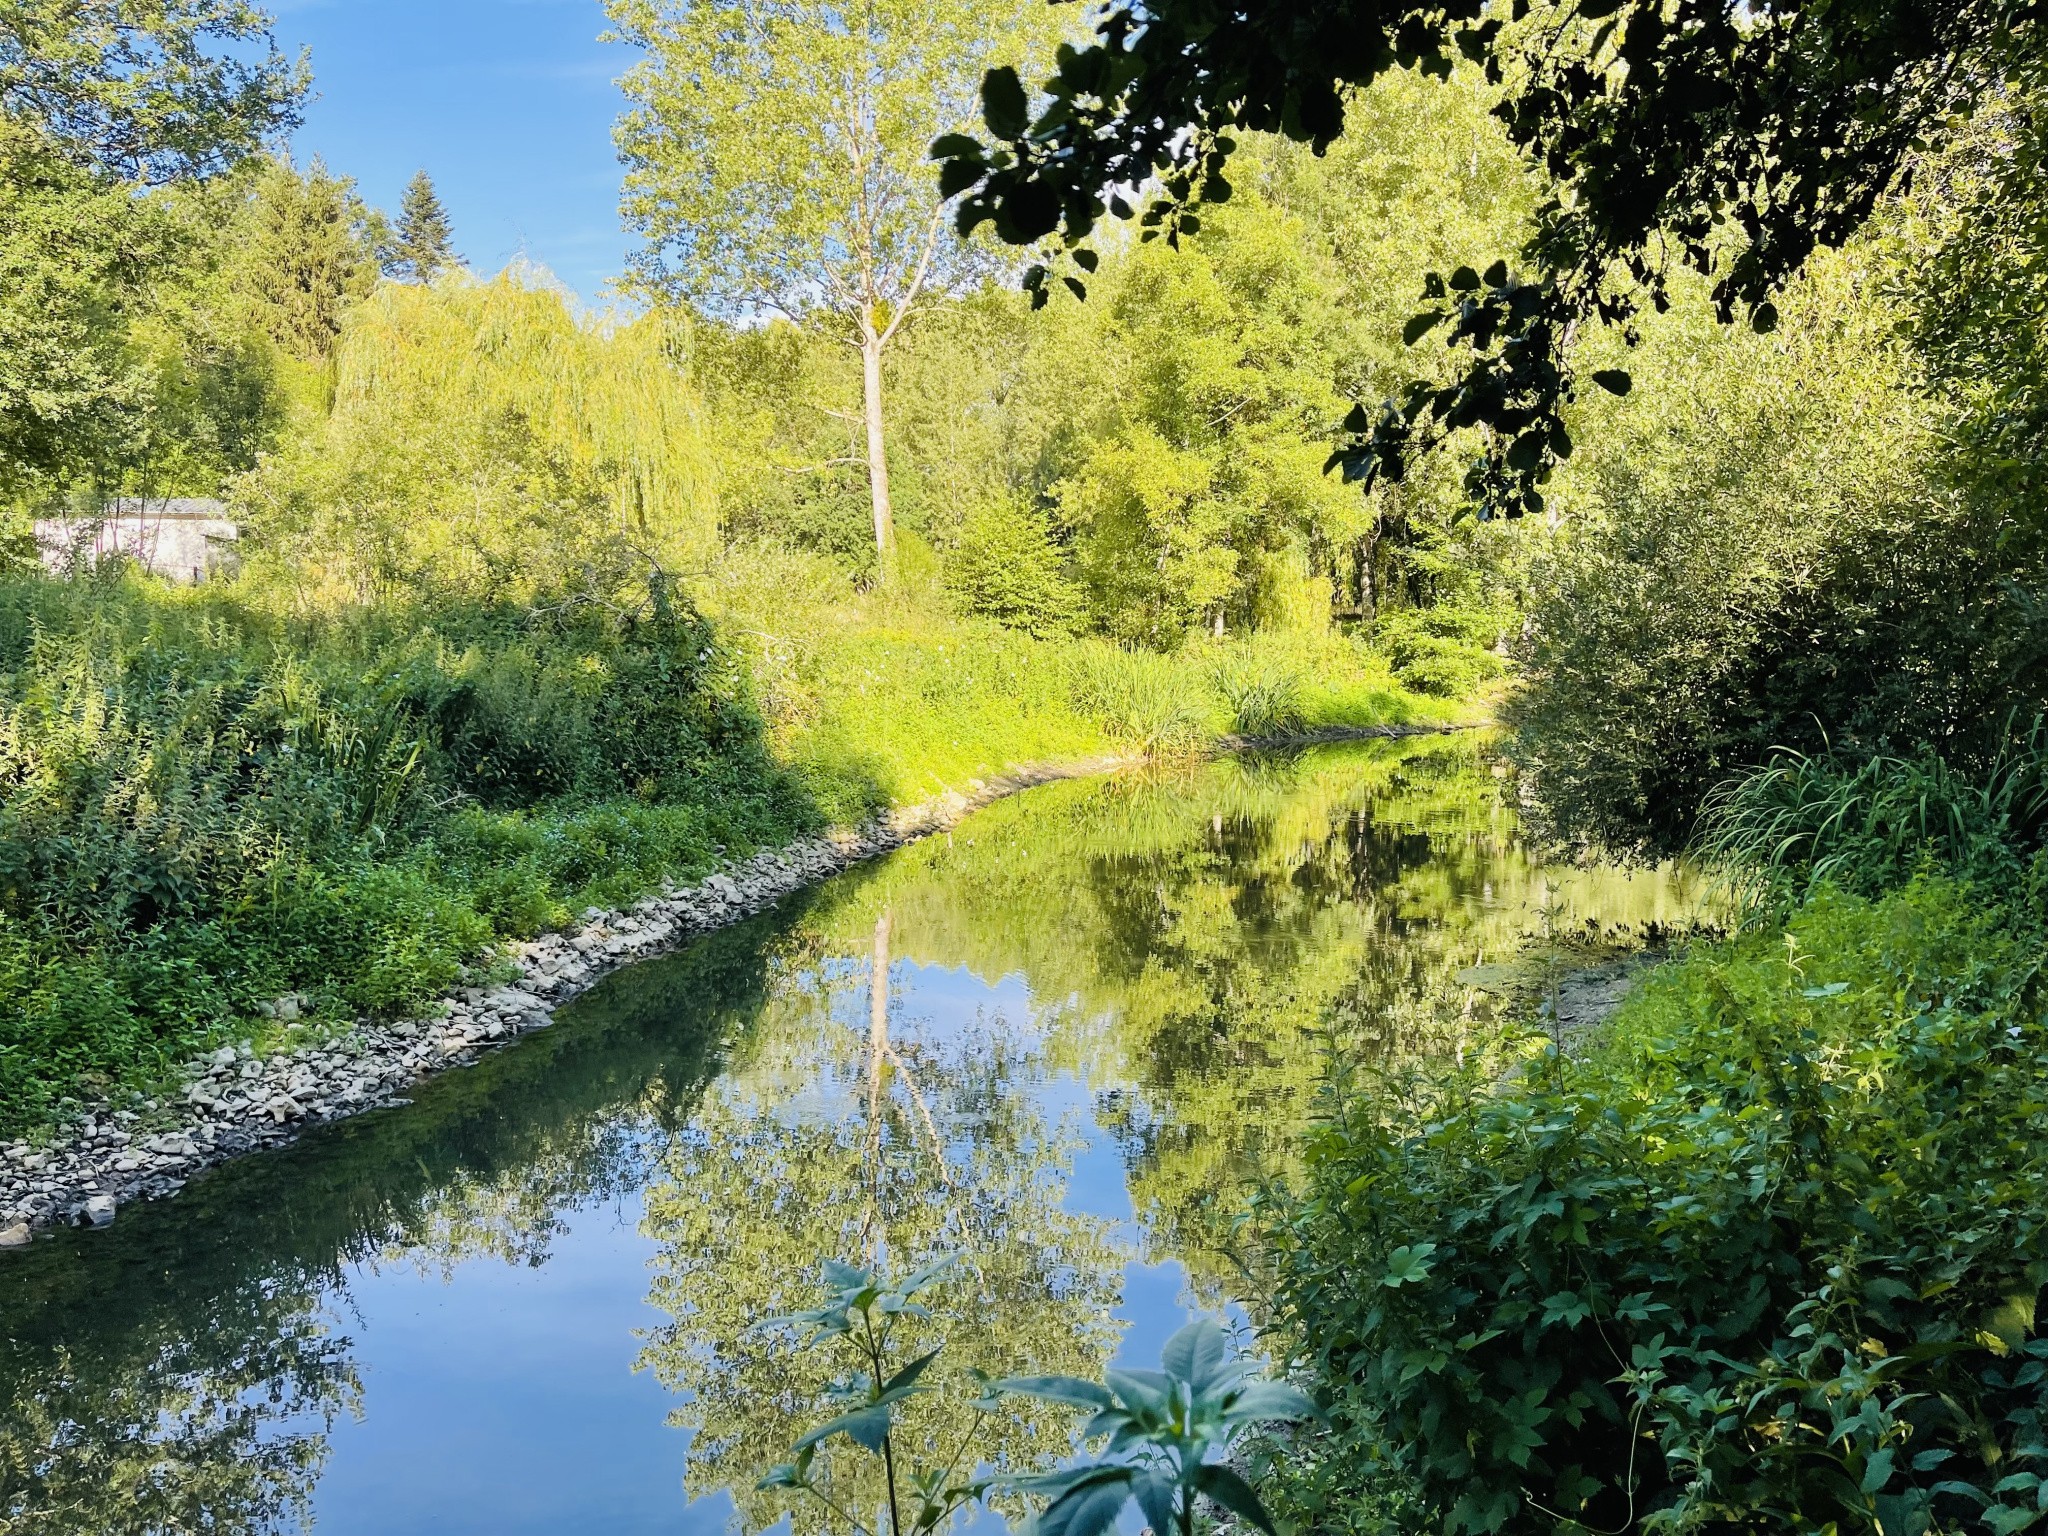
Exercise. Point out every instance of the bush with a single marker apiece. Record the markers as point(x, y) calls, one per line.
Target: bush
point(1768, 1261)
point(1775, 544)
point(1263, 698)
point(1142, 700)
point(205, 804)
point(1444, 651)
point(1008, 568)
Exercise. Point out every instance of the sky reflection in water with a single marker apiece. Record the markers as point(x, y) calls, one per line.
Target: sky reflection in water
point(521, 1303)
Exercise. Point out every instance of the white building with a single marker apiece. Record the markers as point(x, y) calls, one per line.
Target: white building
point(182, 538)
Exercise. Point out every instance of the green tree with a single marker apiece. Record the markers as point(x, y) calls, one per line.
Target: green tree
point(1705, 134)
point(774, 163)
point(568, 456)
point(312, 252)
point(103, 105)
point(425, 244)
point(147, 93)
point(74, 250)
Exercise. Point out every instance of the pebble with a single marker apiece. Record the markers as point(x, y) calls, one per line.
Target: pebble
point(234, 1103)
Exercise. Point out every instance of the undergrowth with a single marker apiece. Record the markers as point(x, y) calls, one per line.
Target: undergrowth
point(213, 798)
point(1767, 1260)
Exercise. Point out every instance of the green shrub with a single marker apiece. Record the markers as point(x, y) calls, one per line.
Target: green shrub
point(1007, 568)
point(205, 803)
point(1768, 1261)
point(1445, 651)
point(1263, 698)
point(1143, 700)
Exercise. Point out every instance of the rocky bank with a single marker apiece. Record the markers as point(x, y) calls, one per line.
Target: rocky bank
point(232, 1101)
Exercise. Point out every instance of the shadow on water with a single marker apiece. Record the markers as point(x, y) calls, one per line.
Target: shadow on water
point(1052, 1042)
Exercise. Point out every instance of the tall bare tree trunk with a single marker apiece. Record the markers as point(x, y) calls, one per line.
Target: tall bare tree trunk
point(878, 464)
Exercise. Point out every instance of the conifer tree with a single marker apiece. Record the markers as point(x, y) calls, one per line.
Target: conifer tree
point(425, 247)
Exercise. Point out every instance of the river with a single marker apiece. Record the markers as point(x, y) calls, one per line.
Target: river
point(1058, 1043)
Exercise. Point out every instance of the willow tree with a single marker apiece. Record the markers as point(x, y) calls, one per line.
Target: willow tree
point(776, 165)
point(568, 454)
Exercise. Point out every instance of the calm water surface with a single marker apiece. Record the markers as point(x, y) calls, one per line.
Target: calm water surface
point(1053, 1043)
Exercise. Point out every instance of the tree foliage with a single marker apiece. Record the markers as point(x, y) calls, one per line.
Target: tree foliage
point(774, 163)
point(111, 114)
point(423, 246)
point(146, 91)
point(570, 457)
point(1715, 137)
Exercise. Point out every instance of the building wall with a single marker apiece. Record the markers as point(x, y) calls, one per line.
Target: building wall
point(182, 539)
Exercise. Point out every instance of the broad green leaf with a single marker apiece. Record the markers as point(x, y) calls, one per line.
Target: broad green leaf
point(1143, 1390)
point(1154, 1489)
point(1271, 1400)
point(909, 1374)
point(1408, 1264)
point(1059, 1389)
point(1233, 1493)
point(868, 1426)
point(1089, 1509)
point(1003, 106)
point(1194, 1353)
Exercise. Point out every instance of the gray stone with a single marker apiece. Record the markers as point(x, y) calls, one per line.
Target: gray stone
point(99, 1211)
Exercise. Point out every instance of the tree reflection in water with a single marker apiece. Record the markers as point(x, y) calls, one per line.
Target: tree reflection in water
point(855, 1129)
point(1150, 971)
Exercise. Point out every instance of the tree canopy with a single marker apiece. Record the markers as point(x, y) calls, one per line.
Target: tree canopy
point(149, 91)
point(425, 246)
point(1718, 135)
point(774, 163)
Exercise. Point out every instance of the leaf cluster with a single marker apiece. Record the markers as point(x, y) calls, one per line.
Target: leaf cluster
point(148, 92)
point(1800, 823)
point(860, 1314)
point(1768, 1261)
point(1705, 135)
point(1162, 1432)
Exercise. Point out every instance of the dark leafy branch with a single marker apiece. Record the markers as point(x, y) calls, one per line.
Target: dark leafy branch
point(1730, 137)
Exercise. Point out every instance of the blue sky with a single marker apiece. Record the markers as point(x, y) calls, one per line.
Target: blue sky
point(507, 104)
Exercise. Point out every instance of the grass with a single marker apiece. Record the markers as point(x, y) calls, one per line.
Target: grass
point(1800, 823)
point(212, 798)
point(895, 697)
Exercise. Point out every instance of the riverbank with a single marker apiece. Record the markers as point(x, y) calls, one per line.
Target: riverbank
point(225, 815)
point(233, 1101)
point(1659, 1192)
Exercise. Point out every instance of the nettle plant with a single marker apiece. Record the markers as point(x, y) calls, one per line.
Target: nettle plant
point(1165, 1431)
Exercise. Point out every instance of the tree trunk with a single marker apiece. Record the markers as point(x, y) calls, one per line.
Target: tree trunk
point(878, 463)
point(878, 1050)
